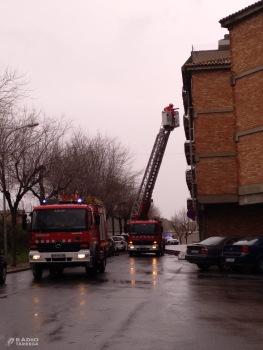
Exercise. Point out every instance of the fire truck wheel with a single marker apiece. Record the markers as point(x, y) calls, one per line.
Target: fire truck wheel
point(37, 272)
point(3, 275)
point(131, 253)
point(102, 265)
point(158, 254)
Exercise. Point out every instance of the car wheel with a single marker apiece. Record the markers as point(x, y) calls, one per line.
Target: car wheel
point(37, 272)
point(223, 266)
point(259, 266)
point(3, 275)
point(203, 267)
point(237, 268)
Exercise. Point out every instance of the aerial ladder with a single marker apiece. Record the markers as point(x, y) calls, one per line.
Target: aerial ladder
point(146, 235)
point(170, 120)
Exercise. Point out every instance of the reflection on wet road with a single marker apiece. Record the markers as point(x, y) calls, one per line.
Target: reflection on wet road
point(141, 302)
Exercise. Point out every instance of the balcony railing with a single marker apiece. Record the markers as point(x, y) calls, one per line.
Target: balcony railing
point(190, 204)
point(187, 128)
point(187, 152)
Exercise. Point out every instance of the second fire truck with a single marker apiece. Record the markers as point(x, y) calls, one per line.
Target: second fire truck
point(145, 236)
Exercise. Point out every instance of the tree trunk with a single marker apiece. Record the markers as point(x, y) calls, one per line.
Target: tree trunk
point(120, 226)
point(112, 225)
point(13, 244)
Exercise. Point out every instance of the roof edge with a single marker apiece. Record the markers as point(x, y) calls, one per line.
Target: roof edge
point(241, 15)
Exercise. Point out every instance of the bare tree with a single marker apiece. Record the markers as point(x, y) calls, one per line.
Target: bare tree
point(92, 166)
point(124, 202)
point(24, 156)
point(154, 211)
point(182, 225)
point(13, 89)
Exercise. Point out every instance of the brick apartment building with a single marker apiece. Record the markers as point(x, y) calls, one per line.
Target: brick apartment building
point(222, 95)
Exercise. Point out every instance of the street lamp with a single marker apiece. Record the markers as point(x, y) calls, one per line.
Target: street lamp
point(32, 125)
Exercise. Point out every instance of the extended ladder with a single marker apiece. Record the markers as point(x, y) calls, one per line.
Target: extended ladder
point(143, 201)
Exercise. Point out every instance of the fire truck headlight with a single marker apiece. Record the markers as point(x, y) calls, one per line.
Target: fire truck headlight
point(36, 257)
point(81, 256)
point(131, 246)
point(154, 247)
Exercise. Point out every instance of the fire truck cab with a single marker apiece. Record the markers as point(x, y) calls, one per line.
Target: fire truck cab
point(145, 236)
point(68, 233)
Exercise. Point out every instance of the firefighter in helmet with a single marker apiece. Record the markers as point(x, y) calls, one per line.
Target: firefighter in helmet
point(170, 108)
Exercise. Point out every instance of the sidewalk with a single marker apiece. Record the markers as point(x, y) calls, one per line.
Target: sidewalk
point(178, 250)
point(19, 267)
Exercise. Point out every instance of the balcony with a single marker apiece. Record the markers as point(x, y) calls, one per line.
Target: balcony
point(187, 152)
point(191, 182)
point(190, 204)
point(187, 128)
point(190, 178)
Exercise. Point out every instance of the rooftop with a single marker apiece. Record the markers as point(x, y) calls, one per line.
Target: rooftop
point(240, 15)
point(212, 62)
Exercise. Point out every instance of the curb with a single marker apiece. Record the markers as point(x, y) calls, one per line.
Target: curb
point(18, 270)
point(172, 252)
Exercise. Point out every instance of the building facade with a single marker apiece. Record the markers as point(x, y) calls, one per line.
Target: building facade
point(223, 122)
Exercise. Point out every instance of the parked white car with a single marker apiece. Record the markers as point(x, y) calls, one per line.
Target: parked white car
point(121, 243)
point(170, 241)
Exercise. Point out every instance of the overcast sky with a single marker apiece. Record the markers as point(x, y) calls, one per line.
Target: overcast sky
point(112, 66)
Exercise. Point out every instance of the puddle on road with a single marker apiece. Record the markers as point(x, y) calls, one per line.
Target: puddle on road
point(127, 282)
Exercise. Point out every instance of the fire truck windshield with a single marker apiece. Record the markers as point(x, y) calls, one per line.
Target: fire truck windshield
point(146, 229)
point(54, 220)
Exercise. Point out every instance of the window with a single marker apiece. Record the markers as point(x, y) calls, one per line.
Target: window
point(102, 227)
point(59, 219)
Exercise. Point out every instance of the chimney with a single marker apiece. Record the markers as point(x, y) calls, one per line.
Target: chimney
point(224, 44)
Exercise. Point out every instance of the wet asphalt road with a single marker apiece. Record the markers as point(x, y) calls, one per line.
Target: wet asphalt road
point(138, 303)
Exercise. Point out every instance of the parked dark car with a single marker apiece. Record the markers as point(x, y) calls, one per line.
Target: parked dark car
point(2, 268)
point(208, 252)
point(247, 252)
point(111, 246)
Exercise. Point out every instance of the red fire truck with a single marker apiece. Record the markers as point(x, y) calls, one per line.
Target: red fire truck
point(68, 233)
point(145, 236)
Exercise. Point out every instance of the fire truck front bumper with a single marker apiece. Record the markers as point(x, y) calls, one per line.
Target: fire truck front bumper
point(152, 248)
point(65, 259)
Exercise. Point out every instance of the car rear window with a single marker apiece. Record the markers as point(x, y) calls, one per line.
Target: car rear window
point(117, 238)
point(212, 240)
point(249, 241)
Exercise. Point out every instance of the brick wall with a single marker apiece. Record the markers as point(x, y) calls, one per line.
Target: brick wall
point(248, 105)
point(246, 44)
point(214, 132)
point(246, 47)
point(233, 220)
point(250, 159)
point(211, 89)
point(216, 176)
